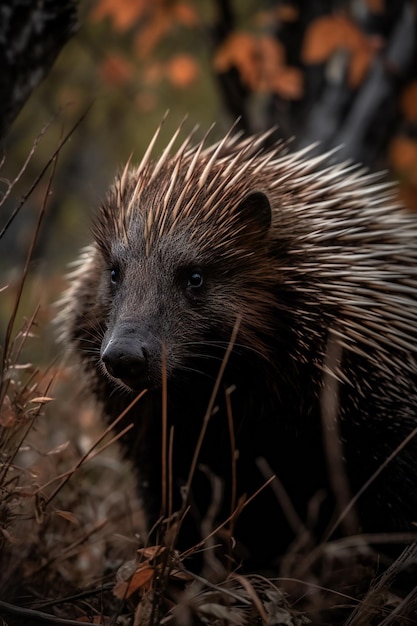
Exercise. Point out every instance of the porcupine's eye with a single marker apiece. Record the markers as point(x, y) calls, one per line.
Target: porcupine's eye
point(114, 275)
point(195, 279)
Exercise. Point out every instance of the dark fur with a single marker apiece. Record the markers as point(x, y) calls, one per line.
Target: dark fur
point(319, 270)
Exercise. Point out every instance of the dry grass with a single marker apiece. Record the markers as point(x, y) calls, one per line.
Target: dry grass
point(72, 544)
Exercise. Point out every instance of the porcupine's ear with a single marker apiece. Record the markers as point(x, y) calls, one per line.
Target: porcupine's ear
point(254, 214)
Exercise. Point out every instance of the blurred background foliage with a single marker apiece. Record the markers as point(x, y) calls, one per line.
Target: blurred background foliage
point(329, 71)
point(338, 72)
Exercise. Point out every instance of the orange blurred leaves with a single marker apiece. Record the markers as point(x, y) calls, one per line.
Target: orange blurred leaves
point(157, 17)
point(185, 14)
point(376, 6)
point(260, 61)
point(116, 70)
point(8, 415)
point(159, 24)
point(141, 579)
point(403, 158)
point(325, 35)
point(161, 20)
point(123, 13)
point(281, 13)
point(151, 24)
point(328, 33)
point(151, 567)
point(182, 70)
point(409, 102)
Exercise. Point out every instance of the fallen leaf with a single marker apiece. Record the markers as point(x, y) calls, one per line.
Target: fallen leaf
point(150, 552)
point(70, 517)
point(7, 414)
point(141, 578)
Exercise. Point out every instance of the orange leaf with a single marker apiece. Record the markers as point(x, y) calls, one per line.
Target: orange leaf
point(157, 26)
point(359, 65)
point(288, 83)
point(408, 196)
point(321, 39)
point(7, 414)
point(362, 57)
point(141, 578)
point(258, 59)
point(403, 156)
point(287, 12)
point(116, 70)
point(409, 102)
point(352, 37)
point(329, 33)
point(376, 6)
point(182, 70)
point(236, 51)
point(150, 552)
point(282, 13)
point(270, 59)
point(185, 14)
point(123, 13)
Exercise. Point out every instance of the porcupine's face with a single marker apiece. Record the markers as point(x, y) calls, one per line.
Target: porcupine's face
point(171, 306)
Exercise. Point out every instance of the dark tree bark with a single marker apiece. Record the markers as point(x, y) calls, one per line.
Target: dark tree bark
point(32, 33)
point(232, 91)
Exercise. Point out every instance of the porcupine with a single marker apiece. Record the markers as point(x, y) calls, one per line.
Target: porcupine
point(299, 258)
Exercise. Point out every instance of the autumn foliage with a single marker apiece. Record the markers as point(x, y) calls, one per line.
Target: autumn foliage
point(288, 51)
point(148, 23)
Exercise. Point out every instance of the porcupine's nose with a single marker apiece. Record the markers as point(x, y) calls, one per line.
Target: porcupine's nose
point(126, 360)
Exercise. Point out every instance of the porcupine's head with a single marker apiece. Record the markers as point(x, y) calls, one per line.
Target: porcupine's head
point(180, 257)
point(191, 245)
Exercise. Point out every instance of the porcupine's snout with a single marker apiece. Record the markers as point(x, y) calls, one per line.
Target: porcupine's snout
point(125, 356)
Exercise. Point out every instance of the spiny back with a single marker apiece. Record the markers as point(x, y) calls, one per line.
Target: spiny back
point(337, 235)
point(200, 185)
